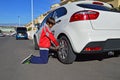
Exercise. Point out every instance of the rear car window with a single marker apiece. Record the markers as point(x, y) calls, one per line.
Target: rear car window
point(21, 29)
point(97, 7)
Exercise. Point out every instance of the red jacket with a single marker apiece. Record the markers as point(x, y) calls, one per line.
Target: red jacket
point(46, 37)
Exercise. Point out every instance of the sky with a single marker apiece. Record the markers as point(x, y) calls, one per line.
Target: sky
point(11, 9)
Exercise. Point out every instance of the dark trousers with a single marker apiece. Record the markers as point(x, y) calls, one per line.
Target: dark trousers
point(42, 59)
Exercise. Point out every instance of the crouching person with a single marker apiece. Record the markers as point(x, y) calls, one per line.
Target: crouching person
point(46, 38)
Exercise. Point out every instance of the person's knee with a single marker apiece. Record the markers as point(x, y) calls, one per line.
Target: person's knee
point(45, 60)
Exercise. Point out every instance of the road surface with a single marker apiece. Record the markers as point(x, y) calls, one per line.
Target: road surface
point(13, 51)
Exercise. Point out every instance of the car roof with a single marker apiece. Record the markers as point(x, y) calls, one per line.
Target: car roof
point(87, 2)
point(81, 2)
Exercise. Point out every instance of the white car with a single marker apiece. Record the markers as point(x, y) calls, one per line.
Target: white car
point(84, 27)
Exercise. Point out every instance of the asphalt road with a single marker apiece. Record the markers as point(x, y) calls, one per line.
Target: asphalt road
point(12, 52)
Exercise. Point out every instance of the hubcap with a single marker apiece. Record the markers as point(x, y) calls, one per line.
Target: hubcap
point(63, 50)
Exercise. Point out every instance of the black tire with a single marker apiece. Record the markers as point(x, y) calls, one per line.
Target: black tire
point(117, 54)
point(66, 54)
point(35, 44)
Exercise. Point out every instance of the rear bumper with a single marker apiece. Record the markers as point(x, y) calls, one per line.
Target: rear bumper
point(23, 37)
point(105, 46)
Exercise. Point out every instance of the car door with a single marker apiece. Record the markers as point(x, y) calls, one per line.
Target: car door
point(42, 24)
point(58, 15)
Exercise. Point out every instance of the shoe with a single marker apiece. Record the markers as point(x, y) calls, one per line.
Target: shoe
point(27, 60)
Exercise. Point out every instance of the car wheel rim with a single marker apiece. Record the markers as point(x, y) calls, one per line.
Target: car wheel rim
point(64, 50)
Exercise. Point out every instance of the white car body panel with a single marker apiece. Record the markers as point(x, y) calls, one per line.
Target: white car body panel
point(75, 34)
point(106, 21)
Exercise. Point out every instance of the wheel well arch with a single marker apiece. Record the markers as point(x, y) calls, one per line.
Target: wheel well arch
point(34, 38)
point(62, 34)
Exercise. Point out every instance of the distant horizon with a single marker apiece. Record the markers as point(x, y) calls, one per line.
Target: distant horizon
point(11, 24)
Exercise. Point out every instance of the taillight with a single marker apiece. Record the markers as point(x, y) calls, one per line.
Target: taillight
point(97, 48)
point(98, 3)
point(84, 15)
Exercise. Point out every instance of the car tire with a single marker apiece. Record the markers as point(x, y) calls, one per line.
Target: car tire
point(35, 44)
point(65, 53)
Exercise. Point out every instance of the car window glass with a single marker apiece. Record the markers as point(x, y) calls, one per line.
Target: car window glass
point(59, 12)
point(44, 21)
point(55, 15)
point(94, 6)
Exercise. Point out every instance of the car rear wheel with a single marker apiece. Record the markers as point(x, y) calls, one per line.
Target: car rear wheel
point(65, 53)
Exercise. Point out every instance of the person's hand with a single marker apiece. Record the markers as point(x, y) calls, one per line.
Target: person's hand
point(52, 47)
point(57, 48)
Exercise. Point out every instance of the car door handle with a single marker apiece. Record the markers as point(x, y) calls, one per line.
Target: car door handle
point(58, 21)
point(53, 31)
